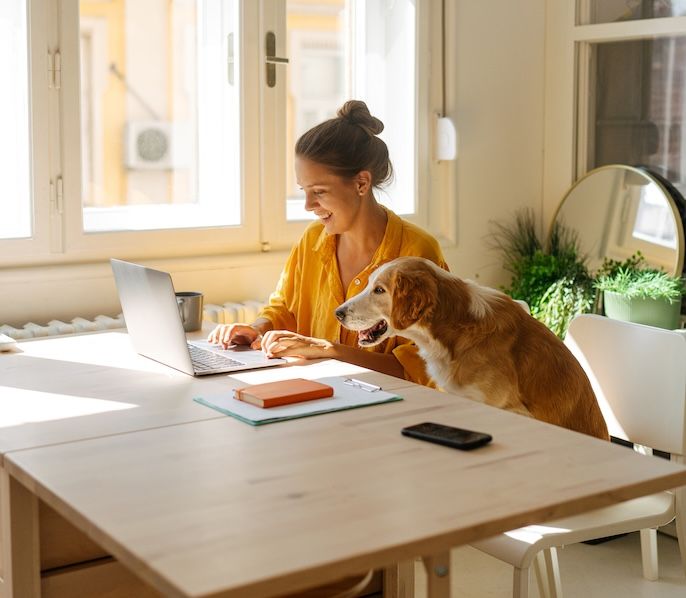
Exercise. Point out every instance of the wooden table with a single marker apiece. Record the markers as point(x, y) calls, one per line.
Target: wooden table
point(214, 507)
point(71, 388)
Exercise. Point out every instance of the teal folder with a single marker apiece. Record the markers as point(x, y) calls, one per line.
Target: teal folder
point(348, 394)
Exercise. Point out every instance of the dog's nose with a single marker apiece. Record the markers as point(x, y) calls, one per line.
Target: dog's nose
point(340, 314)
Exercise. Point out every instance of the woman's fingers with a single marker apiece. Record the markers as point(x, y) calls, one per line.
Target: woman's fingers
point(283, 343)
point(233, 334)
point(240, 334)
point(276, 342)
point(213, 337)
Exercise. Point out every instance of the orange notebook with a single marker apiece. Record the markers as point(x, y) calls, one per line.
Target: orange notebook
point(284, 392)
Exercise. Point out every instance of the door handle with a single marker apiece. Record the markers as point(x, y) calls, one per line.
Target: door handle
point(271, 60)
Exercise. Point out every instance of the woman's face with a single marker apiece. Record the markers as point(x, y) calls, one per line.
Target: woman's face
point(333, 199)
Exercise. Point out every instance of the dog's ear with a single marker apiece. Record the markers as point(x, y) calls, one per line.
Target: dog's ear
point(414, 297)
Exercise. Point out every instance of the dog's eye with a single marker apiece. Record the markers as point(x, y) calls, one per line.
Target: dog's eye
point(379, 290)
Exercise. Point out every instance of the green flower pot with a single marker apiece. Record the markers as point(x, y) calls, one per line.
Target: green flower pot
point(653, 312)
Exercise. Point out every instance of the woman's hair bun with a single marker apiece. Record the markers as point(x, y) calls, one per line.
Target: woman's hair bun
point(356, 113)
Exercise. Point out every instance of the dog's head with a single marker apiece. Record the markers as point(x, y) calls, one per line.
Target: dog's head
point(398, 295)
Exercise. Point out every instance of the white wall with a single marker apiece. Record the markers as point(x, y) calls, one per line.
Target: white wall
point(497, 104)
point(43, 294)
point(495, 75)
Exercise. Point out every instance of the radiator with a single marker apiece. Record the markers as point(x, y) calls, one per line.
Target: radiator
point(58, 327)
point(231, 312)
point(226, 313)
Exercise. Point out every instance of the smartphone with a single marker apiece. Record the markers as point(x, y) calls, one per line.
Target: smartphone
point(447, 435)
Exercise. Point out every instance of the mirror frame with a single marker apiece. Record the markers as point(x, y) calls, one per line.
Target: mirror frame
point(675, 200)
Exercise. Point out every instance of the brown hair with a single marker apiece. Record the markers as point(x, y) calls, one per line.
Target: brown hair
point(348, 144)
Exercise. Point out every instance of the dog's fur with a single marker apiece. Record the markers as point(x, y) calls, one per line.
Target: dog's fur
point(477, 342)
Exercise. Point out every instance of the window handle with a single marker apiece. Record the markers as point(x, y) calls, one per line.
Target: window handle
point(271, 59)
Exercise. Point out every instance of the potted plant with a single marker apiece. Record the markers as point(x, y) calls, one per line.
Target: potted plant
point(552, 279)
point(634, 292)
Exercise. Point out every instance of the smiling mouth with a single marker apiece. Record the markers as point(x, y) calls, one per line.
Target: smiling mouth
point(371, 335)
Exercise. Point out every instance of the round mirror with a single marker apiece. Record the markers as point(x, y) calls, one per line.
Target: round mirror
point(618, 210)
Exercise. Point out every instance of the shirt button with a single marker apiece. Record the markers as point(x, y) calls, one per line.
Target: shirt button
point(357, 281)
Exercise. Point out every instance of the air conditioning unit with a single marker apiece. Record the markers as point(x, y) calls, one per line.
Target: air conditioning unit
point(156, 145)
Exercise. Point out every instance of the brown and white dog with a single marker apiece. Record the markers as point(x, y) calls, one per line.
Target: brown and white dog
point(477, 342)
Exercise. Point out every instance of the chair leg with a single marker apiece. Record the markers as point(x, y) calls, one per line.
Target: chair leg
point(541, 575)
point(553, 568)
point(649, 554)
point(520, 587)
point(680, 506)
point(680, 523)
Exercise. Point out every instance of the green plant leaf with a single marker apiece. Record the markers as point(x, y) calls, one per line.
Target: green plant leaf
point(554, 281)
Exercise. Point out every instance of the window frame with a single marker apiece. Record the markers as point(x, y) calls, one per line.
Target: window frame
point(58, 235)
point(150, 243)
point(42, 104)
point(567, 70)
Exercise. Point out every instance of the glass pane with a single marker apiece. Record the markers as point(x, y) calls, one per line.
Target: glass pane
point(362, 49)
point(15, 200)
point(384, 76)
point(160, 127)
point(613, 11)
point(316, 78)
point(639, 106)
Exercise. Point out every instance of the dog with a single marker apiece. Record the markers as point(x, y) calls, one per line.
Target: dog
point(477, 342)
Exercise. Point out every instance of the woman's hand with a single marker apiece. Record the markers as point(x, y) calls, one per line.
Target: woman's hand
point(235, 334)
point(282, 343)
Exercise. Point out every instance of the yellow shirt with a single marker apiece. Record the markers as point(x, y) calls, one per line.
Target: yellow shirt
point(310, 288)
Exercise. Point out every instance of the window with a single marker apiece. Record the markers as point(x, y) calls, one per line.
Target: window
point(632, 109)
point(615, 84)
point(159, 134)
point(632, 86)
point(637, 100)
point(330, 66)
point(614, 11)
point(15, 201)
point(166, 129)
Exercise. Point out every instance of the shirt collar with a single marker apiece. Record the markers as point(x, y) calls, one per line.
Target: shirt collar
point(325, 245)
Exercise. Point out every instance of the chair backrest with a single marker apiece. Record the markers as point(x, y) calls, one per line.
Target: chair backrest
point(638, 374)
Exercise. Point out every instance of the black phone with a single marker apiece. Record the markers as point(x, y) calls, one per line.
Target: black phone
point(447, 435)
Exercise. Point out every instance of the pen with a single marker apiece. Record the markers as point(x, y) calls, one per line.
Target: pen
point(361, 385)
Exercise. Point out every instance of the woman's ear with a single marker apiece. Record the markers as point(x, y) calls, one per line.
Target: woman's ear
point(363, 182)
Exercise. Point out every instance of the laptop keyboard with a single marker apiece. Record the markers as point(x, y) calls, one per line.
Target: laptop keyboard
point(207, 360)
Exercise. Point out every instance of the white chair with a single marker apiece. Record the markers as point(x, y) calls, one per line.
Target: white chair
point(639, 376)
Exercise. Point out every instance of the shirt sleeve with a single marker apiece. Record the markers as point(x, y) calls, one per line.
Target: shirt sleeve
point(280, 310)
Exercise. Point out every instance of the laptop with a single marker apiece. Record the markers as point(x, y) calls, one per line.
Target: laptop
point(154, 324)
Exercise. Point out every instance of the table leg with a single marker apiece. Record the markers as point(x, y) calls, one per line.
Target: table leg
point(437, 575)
point(398, 580)
point(20, 565)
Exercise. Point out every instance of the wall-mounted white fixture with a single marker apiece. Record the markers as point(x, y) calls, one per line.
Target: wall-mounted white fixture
point(445, 136)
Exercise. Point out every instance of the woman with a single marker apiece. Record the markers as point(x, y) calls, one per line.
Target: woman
point(338, 163)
